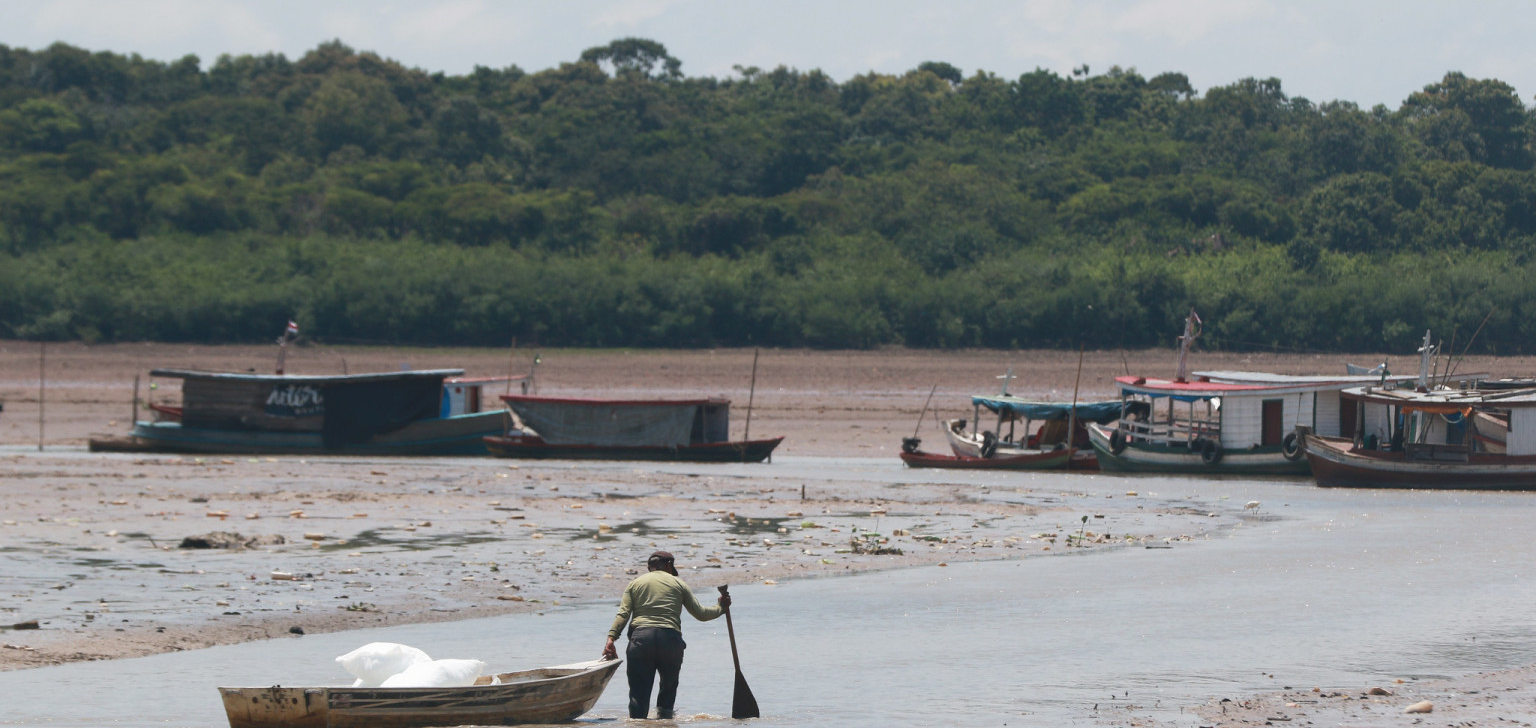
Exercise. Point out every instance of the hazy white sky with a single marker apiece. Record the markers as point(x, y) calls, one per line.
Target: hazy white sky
point(1366, 51)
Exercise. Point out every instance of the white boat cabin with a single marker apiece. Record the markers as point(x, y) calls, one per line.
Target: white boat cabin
point(1449, 421)
point(1311, 400)
point(1241, 410)
point(466, 396)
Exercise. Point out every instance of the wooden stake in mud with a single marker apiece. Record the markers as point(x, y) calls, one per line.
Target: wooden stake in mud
point(751, 391)
point(42, 376)
point(743, 705)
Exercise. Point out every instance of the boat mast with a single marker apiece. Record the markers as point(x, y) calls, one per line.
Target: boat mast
point(752, 392)
point(1191, 330)
point(1426, 350)
point(1007, 378)
point(290, 333)
point(1072, 413)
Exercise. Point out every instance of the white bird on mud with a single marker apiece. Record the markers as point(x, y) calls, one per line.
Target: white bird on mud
point(1251, 506)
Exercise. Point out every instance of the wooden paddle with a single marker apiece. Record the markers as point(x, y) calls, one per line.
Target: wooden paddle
point(743, 705)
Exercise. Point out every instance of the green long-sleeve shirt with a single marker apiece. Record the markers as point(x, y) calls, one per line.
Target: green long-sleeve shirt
point(657, 599)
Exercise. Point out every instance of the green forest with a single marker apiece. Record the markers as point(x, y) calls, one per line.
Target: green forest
point(616, 201)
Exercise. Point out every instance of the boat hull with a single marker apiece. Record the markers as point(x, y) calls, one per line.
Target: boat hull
point(966, 444)
point(461, 435)
point(525, 446)
point(1146, 458)
point(1336, 463)
point(547, 695)
point(1053, 460)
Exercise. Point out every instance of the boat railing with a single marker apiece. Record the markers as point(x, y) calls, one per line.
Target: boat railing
point(1178, 432)
point(1437, 452)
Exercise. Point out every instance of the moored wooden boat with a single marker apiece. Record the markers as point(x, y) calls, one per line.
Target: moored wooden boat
point(1025, 427)
point(1436, 438)
point(533, 446)
point(1053, 418)
point(1048, 460)
point(1177, 453)
point(1226, 422)
point(688, 430)
point(545, 695)
point(426, 412)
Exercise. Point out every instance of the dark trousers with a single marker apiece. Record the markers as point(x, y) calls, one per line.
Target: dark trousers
point(653, 650)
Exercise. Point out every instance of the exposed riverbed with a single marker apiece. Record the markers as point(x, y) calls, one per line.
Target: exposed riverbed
point(1021, 599)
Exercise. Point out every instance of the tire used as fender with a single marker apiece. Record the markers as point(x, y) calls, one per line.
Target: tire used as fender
point(1117, 442)
point(1210, 451)
point(988, 444)
point(1292, 447)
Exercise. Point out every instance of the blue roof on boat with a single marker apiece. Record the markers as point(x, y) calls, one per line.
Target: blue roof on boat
point(1016, 408)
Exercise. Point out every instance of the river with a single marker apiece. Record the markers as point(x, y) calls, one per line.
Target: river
point(1341, 589)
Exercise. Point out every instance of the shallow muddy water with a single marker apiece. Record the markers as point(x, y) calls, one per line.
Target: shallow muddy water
point(1340, 589)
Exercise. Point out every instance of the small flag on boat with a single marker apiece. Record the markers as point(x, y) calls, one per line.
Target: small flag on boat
point(292, 330)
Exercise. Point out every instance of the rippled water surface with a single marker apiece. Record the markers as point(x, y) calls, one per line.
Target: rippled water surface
point(1333, 588)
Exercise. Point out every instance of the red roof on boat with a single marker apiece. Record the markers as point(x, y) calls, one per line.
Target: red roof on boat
point(1186, 386)
point(599, 402)
point(1204, 388)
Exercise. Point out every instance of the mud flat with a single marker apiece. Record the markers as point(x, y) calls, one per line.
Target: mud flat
point(1498, 698)
point(101, 549)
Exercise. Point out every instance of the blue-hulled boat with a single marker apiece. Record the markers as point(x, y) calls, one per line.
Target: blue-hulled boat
point(427, 412)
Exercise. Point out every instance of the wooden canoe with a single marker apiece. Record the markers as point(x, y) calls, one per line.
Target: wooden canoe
point(1051, 460)
point(545, 695)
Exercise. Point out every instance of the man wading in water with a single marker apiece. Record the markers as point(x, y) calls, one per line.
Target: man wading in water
point(653, 607)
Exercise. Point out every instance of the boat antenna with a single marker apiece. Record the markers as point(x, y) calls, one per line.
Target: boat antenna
point(1192, 326)
point(1457, 361)
point(1435, 372)
point(1445, 378)
point(511, 362)
point(746, 434)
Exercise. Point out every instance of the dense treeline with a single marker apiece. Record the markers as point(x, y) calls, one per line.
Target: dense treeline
point(614, 201)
